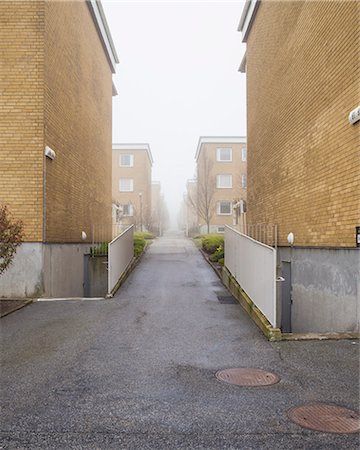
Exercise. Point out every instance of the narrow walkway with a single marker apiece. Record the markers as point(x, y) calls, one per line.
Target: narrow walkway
point(137, 371)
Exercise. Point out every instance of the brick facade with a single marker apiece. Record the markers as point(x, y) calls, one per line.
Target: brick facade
point(140, 173)
point(78, 108)
point(302, 68)
point(56, 87)
point(22, 112)
point(207, 156)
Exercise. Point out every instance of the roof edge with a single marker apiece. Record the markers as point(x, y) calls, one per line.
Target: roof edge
point(242, 67)
point(218, 140)
point(134, 147)
point(247, 17)
point(102, 27)
point(114, 90)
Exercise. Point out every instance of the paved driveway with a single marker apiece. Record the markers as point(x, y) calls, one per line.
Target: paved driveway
point(137, 371)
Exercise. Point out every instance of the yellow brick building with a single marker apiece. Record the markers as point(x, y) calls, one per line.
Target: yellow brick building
point(56, 88)
point(302, 72)
point(221, 182)
point(131, 185)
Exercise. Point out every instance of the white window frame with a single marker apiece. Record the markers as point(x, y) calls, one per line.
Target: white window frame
point(131, 188)
point(131, 160)
point(244, 154)
point(218, 182)
point(218, 208)
point(221, 229)
point(243, 181)
point(218, 154)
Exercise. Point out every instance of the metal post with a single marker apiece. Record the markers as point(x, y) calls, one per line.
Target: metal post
point(141, 212)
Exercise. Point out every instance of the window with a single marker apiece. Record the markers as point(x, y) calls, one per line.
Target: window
point(224, 208)
point(221, 229)
point(224, 181)
point(127, 210)
point(126, 160)
point(243, 154)
point(224, 154)
point(243, 181)
point(126, 185)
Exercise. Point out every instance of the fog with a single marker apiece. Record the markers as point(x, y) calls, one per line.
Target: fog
point(177, 80)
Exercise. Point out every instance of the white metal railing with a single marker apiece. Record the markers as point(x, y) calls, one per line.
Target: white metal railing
point(262, 232)
point(253, 265)
point(102, 234)
point(120, 255)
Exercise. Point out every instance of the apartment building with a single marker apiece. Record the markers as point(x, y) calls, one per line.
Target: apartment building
point(221, 184)
point(131, 185)
point(55, 138)
point(302, 72)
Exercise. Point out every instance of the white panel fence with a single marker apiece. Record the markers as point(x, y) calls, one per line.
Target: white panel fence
point(253, 265)
point(121, 253)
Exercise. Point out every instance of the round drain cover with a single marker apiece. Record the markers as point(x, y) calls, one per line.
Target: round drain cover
point(326, 418)
point(247, 377)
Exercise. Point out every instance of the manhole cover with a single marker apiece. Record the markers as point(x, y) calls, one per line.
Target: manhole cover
point(247, 377)
point(326, 418)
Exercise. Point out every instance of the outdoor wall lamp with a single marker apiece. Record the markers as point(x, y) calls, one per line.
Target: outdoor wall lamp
point(49, 152)
point(354, 115)
point(83, 235)
point(290, 238)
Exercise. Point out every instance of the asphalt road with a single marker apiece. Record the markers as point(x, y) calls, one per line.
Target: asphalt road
point(137, 371)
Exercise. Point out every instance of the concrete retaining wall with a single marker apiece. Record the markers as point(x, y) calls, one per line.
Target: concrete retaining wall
point(325, 289)
point(45, 270)
point(24, 278)
point(64, 269)
point(95, 276)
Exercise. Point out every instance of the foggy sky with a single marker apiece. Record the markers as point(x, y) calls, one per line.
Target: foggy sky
point(177, 80)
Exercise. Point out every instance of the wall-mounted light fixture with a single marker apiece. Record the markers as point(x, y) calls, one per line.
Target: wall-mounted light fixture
point(83, 235)
point(50, 153)
point(354, 116)
point(290, 238)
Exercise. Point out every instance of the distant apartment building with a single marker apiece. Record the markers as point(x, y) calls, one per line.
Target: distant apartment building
point(131, 185)
point(55, 138)
point(302, 72)
point(221, 183)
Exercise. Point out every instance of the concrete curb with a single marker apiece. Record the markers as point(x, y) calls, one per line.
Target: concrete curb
point(319, 336)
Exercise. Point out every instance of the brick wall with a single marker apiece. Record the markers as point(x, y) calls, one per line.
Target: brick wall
point(303, 155)
point(21, 112)
point(78, 97)
point(236, 168)
point(141, 175)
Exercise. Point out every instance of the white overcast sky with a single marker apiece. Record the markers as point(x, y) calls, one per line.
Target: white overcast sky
point(177, 80)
